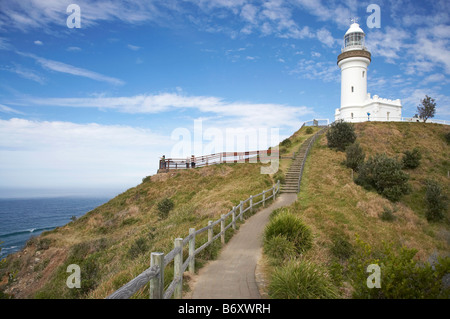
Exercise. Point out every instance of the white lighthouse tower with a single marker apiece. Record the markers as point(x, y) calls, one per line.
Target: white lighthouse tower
point(356, 103)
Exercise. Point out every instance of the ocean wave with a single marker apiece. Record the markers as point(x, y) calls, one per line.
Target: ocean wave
point(25, 231)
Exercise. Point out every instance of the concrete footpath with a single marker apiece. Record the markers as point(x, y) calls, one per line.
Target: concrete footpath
point(232, 274)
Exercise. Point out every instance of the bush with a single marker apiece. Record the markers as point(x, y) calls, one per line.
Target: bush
point(355, 156)
point(286, 143)
point(309, 130)
point(411, 159)
point(401, 275)
point(385, 175)
point(292, 228)
point(147, 179)
point(137, 248)
point(341, 247)
point(279, 249)
point(164, 207)
point(447, 137)
point(340, 135)
point(301, 280)
point(436, 201)
point(388, 214)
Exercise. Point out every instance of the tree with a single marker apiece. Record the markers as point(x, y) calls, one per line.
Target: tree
point(427, 109)
point(354, 156)
point(340, 135)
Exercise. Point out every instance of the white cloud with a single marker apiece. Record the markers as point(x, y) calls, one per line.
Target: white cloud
point(73, 49)
point(133, 47)
point(70, 69)
point(38, 42)
point(7, 109)
point(239, 113)
point(25, 73)
point(64, 154)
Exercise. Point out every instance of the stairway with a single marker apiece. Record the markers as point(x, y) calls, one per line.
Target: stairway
point(293, 175)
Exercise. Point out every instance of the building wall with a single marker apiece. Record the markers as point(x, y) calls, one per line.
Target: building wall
point(353, 81)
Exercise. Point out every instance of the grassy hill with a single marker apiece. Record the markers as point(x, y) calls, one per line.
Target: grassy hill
point(340, 213)
point(112, 243)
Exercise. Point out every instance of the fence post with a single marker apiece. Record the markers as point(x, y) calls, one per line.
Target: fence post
point(264, 198)
point(192, 250)
point(210, 232)
point(222, 228)
point(234, 217)
point(241, 208)
point(177, 266)
point(157, 283)
point(251, 203)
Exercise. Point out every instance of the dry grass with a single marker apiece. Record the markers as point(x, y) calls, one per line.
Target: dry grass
point(199, 195)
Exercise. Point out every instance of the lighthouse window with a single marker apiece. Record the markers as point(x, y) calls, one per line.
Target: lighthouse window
point(363, 72)
point(352, 116)
point(352, 89)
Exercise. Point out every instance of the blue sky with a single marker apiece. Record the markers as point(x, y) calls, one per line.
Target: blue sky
point(95, 107)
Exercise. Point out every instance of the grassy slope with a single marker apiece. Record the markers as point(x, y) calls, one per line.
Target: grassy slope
point(333, 205)
point(105, 242)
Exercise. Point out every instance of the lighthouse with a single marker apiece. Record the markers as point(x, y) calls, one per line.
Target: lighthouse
point(356, 104)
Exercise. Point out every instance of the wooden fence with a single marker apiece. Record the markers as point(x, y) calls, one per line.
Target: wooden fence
point(166, 164)
point(158, 261)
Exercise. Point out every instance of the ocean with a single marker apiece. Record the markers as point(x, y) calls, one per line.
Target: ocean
point(22, 218)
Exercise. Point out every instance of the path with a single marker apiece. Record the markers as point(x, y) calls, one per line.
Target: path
point(232, 275)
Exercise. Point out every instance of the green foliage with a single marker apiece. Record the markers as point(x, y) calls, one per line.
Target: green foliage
point(341, 248)
point(411, 159)
point(340, 134)
point(164, 207)
point(435, 200)
point(388, 214)
point(279, 249)
point(147, 179)
point(427, 109)
point(301, 280)
point(279, 176)
point(447, 137)
point(354, 156)
point(292, 228)
point(139, 247)
point(385, 175)
point(309, 130)
point(401, 277)
point(286, 143)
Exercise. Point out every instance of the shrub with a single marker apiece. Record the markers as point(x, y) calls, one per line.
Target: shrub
point(355, 156)
point(341, 247)
point(301, 280)
point(309, 130)
point(164, 207)
point(279, 176)
point(137, 248)
point(387, 214)
point(147, 179)
point(286, 143)
point(385, 175)
point(279, 248)
point(401, 275)
point(411, 159)
point(292, 228)
point(436, 201)
point(340, 135)
point(447, 137)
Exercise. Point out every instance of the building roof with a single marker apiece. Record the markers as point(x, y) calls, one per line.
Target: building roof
point(354, 28)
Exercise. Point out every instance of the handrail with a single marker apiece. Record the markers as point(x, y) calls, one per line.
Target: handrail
point(155, 274)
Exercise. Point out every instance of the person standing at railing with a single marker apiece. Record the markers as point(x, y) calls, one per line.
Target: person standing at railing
point(187, 162)
point(192, 161)
point(162, 162)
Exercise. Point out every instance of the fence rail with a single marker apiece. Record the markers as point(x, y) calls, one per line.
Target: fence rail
point(166, 164)
point(158, 261)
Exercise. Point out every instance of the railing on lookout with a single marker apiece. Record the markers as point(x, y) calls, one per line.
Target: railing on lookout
point(166, 164)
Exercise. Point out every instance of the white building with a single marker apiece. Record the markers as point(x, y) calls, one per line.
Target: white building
point(356, 104)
